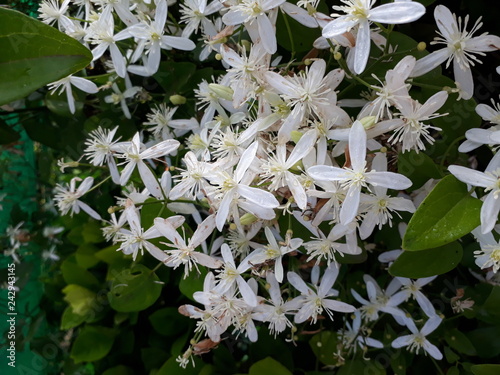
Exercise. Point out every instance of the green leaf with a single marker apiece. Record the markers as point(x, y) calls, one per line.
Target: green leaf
point(75, 274)
point(34, 54)
point(446, 214)
point(193, 283)
point(418, 167)
point(7, 134)
point(92, 344)
point(172, 76)
point(485, 341)
point(323, 345)
point(134, 289)
point(119, 370)
point(268, 366)
point(485, 369)
point(361, 367)
point(168, 321)
point(426, 263)
point(458, 341)
point(171, 367)
point(79, 298)
point(70, 320)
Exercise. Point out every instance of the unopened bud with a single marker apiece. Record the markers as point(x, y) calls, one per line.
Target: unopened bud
point(421, 46)
point(246, 44)
point(218, 56)
point(308, 62)
point(248, 219)
point(383, 150)
point(221, 91)
point(113, 209)
point(368, 121)
point(177, 99)
point(233, 226)
point(337, 56)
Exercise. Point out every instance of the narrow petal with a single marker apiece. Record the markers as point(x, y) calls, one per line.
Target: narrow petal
point(298, 283)
point(489, 212)
point(357, 146)
point(267, 33)
point(362, 50)
point(388, 180)
point(464, 79)
point(401, 341)
point(258, 196)
point(178, 42)
point(149, 179)
point(429, 62)
point(338, 26)
point(471, 176)
point(350, 206)
point(397, 13)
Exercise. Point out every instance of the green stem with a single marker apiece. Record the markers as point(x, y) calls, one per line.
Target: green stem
point(289, 30)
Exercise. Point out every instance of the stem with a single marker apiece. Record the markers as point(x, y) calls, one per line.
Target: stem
point(435, 364)
point(289, 30)
point(99, 184)
point(456, 140)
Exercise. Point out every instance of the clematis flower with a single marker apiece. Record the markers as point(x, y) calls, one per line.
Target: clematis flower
point(135, 156)
point(356, 177)
point(360, 13)
point(460, 47)
point(314, 300)
point(67, 198)
point(65, 83)
point(417, 340)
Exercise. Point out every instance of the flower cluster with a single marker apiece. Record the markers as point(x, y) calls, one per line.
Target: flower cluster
point(272, 148)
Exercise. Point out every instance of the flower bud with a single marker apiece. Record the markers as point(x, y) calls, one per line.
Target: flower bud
point(221, 91)
point(337, 56)
point(368, 122)
point(218, 56)
point(421, 46)
point(295, 136)
point(248, 219)
point(177, 99)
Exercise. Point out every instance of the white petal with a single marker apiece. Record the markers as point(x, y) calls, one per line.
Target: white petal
point(84, 85)
point(464, 78)
point(432, 104)
point(160, 149)
point(223, 211)
point(246, 292)
point(397, 13)
point(486, 112)
point(362, 50)
point(338, 26)
point(433, 350)
point(203, 230)
point(357, 146)
point(258, 196)
point(429, 62)
point(431, 325)
point(489, 212)
point(471, 176)
point(338, 306)
point(389, 180)
point(118, 60)
point(149, 179)
point(267, 33)
point(297, 282)
point(350, 206)
point(328, 173)
point(402, 341)
point(178, 42)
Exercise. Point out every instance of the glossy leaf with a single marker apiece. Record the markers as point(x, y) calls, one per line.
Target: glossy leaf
point(418, 167)
point(92, 344)
point(134, 289)
point(168, 321)
point(426, 263)
point(446, 214)
point(458, 341)
point(34, 54)
point(323, 345)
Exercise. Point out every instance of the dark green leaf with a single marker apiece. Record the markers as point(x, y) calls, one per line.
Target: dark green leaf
point(268, 366)
point(486, 369)
point(458, 341)
point(119, 370)
point(172, 76)
point(92, 344)
point(7, 134)
point(168, 321)
point(79, 298)
point(446, 214)
point(323, 345)
point(75, 274)
point(171, 367)
point(426, 263)
point(418, 167)
point(70, 319)
point(134, 289)
point(193, 283)
point(34, 54)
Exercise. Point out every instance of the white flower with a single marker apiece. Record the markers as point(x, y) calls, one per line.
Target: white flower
point(135, 156)
point(356, 177)
point(195, 12)
point(101, 148)
point(314, 301)
point(277, 168)
point(101, 33)
point(489, 255)
point(164, 127)
point(249, 11)
point(185, 253)
point(52, 11)
point(65, 83)
point(412, 129)
point(417, 340)
point(411, 288)
point(361, 13)
point(119, 97)
point(491, 136)
point(67, 198)
point(357, 334)
point(151, 35)
point(460, 47)
point(490, 180)
point(230, 188)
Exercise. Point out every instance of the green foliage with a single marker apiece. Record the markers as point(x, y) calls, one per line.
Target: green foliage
point(134, 289)
point(92, 343)
point(447, 213)
point(427, 262)
point(31, 50)
point(485, 369)
point(268, 365)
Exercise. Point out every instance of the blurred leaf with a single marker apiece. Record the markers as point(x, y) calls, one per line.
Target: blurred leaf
point(58, 104)
point(418, 167)
point(171, 367)
point(303, 37)
point(152, 210)
point(153, 357)
point(134, 289)
point(7, 134)
point(446, 214)
point(486, 369)
point(168, 321)
point(34, 54)
point(485, 341)
point(92, 343)
point(80, 299)
point(268, 366)
point(75, 274)
point(453, 371)
point(458, 341)
point(323, 345)
point(70, 320)
point(91, 232)
point(119, 370)
point(361, 367)
point(426, 263)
